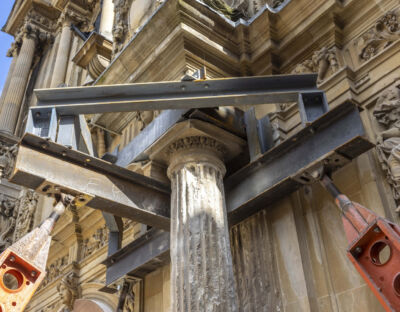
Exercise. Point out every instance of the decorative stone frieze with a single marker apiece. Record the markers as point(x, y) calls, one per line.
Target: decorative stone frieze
point(324, 62)
point(387, 113)
point(385, 31)
point(55, 269)
point(95, 242)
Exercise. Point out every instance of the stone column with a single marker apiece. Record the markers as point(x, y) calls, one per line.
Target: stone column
point(13, 52)
point(17, 86)
point(202, 273)
point(62, 58)
point(107, 19)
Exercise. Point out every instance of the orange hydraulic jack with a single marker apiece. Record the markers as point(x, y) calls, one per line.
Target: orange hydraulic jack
point(374, 247)
point(23, 265)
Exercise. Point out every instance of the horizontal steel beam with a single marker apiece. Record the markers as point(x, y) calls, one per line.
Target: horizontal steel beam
point(332, 140)
point(140, 257)
point(176, 95)
point(94, 182)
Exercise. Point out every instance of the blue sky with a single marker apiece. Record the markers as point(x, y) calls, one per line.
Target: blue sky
point(5, 41)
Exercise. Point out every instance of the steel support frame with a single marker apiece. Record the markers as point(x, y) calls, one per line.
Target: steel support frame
point(339, 136)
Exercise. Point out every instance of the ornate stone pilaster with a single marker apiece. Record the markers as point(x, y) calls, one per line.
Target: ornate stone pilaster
point(202, 273)
point(16, 89)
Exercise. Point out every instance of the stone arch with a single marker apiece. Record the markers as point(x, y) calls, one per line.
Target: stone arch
point(93, 300)
point(91, 305)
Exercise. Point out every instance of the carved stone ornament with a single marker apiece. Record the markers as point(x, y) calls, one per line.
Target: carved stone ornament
point(202, 142)
point(225, 9)
point(324, 62)
point(387, 113)
point(69, 16)
point(8, 217)
point(384, 33)
point(129, 305)
point(26, 211)
point(121, 8)
point(7, 159)
point(68, 291)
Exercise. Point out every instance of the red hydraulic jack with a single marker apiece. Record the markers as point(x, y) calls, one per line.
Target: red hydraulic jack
point(23, 264)
point(374, 247)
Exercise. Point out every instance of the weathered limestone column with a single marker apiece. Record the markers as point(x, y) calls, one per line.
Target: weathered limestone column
point(202, 273)
point(62, 58)
point(12, 52)
point(16, 89)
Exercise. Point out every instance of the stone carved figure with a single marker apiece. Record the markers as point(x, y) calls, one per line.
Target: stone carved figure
point(324, 62)
point(68, 291)
point(384, 33)
point(387, 113)
point(7, 159)
point(26, 210)
point(8, 216)
point(54, 270)
point(95, 242)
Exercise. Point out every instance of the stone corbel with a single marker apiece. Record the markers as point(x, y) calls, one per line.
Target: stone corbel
point(94, 55)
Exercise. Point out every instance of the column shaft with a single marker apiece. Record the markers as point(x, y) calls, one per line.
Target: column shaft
point(107, 19)
point(16, 89)
point(8, 80)
point(62, 58)
point(202, 272)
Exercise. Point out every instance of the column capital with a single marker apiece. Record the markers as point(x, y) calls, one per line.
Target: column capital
point(196, 150)
point(195, 140)
point(29, 31)
point(69, 16)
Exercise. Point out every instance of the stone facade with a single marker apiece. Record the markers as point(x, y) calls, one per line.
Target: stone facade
point(288, 257)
